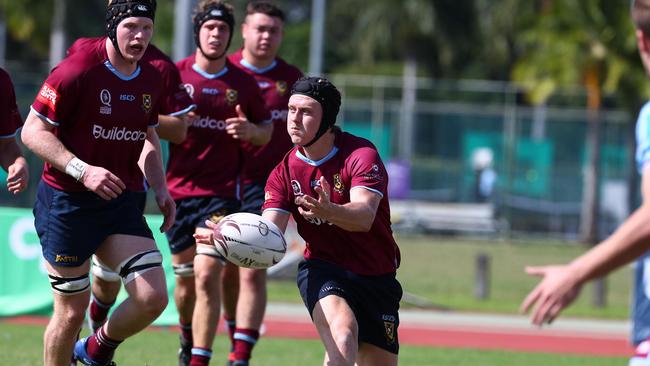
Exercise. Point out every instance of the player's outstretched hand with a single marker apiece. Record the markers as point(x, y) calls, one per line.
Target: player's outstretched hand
point(17, 176)
point(206, 239)
point(167, 208)
point(320, 208)
point(104, 183)
point(556, 291)
point(239, 127)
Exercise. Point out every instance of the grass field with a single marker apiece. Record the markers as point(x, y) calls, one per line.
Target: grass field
point(442, 269)
point(20, 345)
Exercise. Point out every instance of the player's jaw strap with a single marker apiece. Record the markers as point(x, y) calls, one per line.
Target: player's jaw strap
point(68, 286)
point(138, 264)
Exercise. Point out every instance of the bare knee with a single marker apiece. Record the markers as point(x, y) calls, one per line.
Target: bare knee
point(152, 303)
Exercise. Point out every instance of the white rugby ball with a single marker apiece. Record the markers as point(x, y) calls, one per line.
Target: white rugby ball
point(249, 240)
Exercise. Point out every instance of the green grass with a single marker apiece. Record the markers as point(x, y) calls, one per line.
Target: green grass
point(21, 345)
point(442, 271)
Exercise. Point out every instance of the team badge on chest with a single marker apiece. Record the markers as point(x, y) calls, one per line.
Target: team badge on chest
point(231, 96)
point(281, 87)
point(146, 102)
point(339, 187)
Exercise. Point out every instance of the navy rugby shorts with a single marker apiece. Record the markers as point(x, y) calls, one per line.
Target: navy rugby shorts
point(374, 299)
point(72, 225)
point(253, 198)
point(192, 213)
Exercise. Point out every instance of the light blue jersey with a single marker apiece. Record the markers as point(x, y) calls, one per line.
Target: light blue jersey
point(641, 300)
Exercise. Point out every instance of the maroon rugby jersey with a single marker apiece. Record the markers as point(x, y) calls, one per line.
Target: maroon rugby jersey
point(353, 164)
point(208, 162)
point(100, 115)
point(10, 120)
point(174, 100)
point(275, 82)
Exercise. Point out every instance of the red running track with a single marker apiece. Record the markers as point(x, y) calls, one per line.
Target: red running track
point(521, 340)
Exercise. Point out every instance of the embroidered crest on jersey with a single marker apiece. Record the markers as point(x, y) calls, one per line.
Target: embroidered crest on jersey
point(146, 102)
point(105, 99)
point(281, 87)
point(48, 96)
point(374, 173)
point(297, 191)
point(339, 187)
point(389, 326)
point(189, 88)
point(231, 96)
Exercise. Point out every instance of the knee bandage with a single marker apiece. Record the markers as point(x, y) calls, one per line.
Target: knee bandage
point(100, 270)
point(68, 286)
point(209, 250)
point(138, 264)
point(184, 269)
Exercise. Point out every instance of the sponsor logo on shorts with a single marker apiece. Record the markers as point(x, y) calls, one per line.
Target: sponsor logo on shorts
point(389, 327)
point(48, 96)
point(281, 87)
point(60, 258)
point(231, 96)
point(209, 123)
point(146, 102)
point(339, 187)
point(117, 134)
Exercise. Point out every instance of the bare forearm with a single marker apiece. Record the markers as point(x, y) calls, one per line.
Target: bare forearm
point(628, 242)
point(150, 161)
point(172, 129)
point(45, 144)
point(9, 153)
point(352, 216)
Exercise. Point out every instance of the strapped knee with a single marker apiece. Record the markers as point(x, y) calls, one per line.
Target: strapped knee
point(100, 270)
point(68, 286)
point(138, 264)
point(209, 250)
point(184, 269)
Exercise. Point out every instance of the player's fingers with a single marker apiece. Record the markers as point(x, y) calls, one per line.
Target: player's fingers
point(116, 180)
point(211, 224)
point(536, 271)
point(240, 112)
point(542, 313)
point(530, 300)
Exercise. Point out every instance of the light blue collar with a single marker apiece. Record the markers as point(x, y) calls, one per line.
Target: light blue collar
point(319, 162)
point(110, 66)
point(207, 75)
point(258, 70)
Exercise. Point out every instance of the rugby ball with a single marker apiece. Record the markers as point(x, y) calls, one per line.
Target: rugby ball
point(249, 240)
